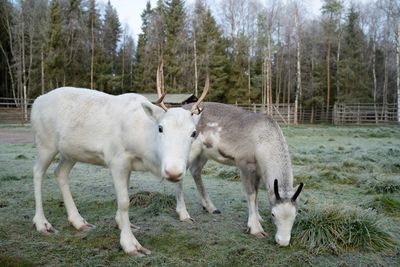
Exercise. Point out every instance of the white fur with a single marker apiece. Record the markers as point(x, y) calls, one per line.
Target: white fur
point(283, 216)
point(119, 132)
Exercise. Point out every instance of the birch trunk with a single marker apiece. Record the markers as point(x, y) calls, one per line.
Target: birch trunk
point(398, 71)
point(42, 69)
point(196, 78)
point(92, 53)
point(374, 75)
point(328, 78)
point(298, 72)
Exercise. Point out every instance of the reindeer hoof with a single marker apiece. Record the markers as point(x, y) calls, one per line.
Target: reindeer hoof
point(136, 253)
point(86, 227)
point(216, 211)
point(135, 228)
point(261, 234)
point(140, 252)
point(48, 229)
point(144, 250)
point(188, 220)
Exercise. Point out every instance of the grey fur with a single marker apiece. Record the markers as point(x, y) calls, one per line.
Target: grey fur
point(251, 141)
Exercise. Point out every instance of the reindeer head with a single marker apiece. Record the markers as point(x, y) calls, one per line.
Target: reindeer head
point(283, 212)
point(176, 130)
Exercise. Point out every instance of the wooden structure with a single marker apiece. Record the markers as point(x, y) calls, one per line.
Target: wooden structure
point(175, 100)
point(364, 114)
point(12, 111)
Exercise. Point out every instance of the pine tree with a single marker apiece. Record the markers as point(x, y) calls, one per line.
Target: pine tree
point(109, 80)
point(141, 82)
point(76, 67)
point(56, 58)
point(211, 47)
point(174, 52)
point(354, 72)
point(5, 51)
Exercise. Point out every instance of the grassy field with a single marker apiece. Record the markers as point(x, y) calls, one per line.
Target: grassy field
point(350, 210)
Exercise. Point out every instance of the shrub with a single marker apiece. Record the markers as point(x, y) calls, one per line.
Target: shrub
point(383, 186)
point(20, 156)
point(338, 229)
point(386, 204)
point(229, 173)
point(153, 202)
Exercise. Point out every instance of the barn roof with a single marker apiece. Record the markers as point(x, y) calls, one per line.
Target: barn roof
point(173, 99)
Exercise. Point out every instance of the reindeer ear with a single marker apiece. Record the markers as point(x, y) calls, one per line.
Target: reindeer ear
point(276, 190)
point(297, 192)
point(153, 111)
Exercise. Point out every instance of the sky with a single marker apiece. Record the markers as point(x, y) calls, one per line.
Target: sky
point(129, 11)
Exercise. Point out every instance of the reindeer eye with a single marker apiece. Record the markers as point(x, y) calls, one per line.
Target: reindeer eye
point(160, 129)
point(273, 215)
point(193, 134)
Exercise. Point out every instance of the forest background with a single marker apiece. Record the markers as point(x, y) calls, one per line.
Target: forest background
point(254, 51)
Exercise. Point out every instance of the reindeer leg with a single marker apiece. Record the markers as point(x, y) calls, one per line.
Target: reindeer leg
point(195, 168)
point(180, 204)
point(250, 185)
point(44, 158)
point(257, 183)
point(62, 171)
point(120, 172)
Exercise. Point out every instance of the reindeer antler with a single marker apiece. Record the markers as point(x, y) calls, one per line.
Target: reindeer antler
point(160, 101)
point(195, 107)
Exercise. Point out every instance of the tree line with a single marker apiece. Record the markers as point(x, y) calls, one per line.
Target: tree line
point(254, 51)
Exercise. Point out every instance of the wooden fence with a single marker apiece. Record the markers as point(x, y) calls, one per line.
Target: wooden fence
point(12, 111)
point(364, 114)
point(284, 113)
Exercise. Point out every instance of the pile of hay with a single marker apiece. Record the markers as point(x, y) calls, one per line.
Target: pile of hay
point(338, 229)
point(153, 202)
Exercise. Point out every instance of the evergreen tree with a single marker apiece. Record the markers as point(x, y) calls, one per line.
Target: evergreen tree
point(238, 71)
point(111, 33)
point(5, 50)
point(141, 82)
point(211, 47)
point(354, 71)
point(76, 63)
point(175, 46)
point(125, 62)
point(56, 59)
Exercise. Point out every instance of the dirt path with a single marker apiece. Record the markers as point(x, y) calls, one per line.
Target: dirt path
point(17, 135)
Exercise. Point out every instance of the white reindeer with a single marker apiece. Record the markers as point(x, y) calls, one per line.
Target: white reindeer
point(255, 144)
point(124, 133)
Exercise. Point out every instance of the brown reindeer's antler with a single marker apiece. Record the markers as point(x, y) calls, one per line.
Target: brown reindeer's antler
point(160, 101)
point(195, 107)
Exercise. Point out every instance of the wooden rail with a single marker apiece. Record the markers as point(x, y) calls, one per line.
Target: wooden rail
point(12, 111)
point(364, 114)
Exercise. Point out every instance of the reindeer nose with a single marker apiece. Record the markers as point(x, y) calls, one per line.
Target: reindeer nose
point(173, 176)
point(282, 242)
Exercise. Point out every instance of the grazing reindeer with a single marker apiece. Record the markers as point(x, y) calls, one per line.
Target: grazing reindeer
point(124, 133)
point(255, 144)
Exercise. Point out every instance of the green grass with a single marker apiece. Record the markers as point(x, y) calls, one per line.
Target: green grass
point(385, 204)
point(349, 209)
point(338, 229)
point(383, 186)
point(153, 203)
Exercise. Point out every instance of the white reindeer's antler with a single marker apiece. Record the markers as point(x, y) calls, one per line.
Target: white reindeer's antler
point(161, 95)
point(195, 107)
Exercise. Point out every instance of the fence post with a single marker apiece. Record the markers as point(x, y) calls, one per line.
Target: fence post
point(334, 115)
